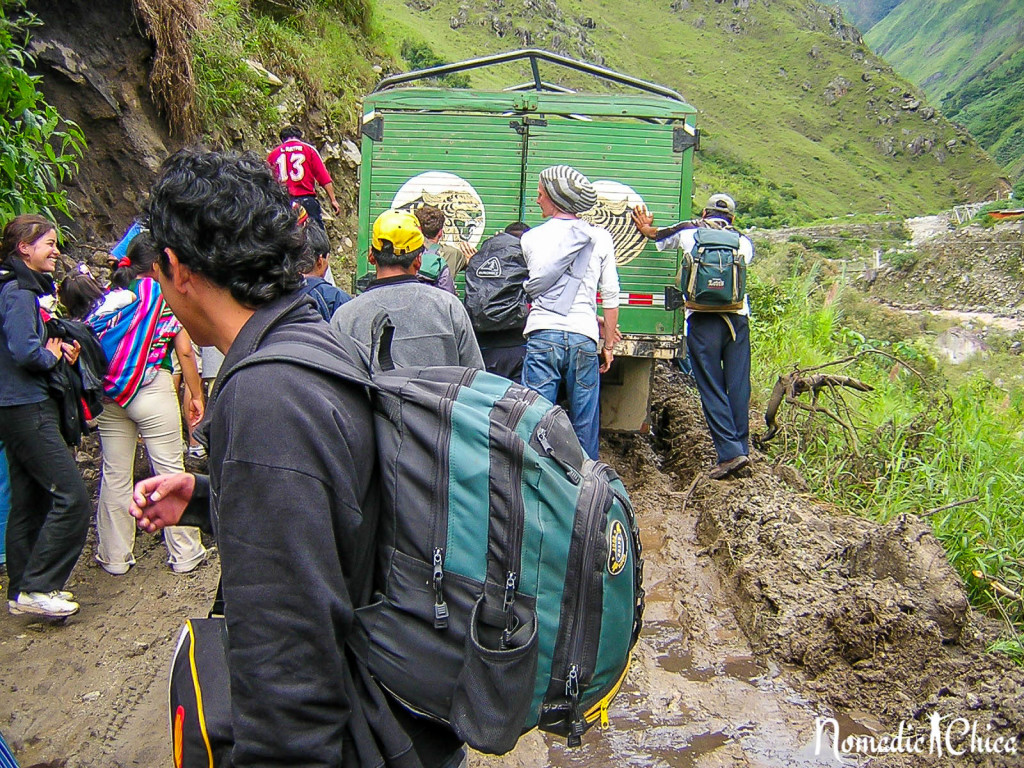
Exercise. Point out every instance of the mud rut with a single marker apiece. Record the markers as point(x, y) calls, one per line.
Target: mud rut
point(764, 611)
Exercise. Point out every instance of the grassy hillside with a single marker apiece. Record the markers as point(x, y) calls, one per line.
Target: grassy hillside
point(968, 56)
point(991, 104)
point(866, 13)
point(799, 119)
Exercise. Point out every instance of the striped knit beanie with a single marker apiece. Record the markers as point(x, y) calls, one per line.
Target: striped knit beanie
point(568, 189)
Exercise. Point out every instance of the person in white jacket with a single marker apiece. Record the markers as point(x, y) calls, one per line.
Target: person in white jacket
point(569, 259)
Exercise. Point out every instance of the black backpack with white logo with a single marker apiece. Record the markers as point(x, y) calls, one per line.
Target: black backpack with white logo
point(495, 297)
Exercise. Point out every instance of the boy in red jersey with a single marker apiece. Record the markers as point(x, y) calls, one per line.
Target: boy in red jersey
point(300, 167)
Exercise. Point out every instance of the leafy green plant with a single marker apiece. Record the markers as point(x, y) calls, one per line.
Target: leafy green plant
point(902, 259)
point(39, 150)
point(228, 90)
point(1012, 648)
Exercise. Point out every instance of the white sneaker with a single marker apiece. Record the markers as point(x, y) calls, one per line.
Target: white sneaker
point(42, 604)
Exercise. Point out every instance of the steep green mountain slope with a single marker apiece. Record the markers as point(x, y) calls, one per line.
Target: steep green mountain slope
point(968, 56)
point(799, 119)
point(991, 104)
point(866, 13)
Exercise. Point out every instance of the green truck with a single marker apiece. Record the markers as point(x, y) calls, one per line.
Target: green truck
point(476, 155)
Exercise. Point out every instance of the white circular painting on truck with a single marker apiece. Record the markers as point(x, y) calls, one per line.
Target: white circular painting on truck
point(462, 207)
point(614, 212)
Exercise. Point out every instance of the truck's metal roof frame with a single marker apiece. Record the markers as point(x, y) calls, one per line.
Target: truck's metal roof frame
point(534, 55)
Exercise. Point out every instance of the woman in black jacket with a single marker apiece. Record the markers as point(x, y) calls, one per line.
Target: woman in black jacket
point(49, 501)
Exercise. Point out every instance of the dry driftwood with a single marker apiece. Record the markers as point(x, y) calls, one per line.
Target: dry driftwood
point(790, 386)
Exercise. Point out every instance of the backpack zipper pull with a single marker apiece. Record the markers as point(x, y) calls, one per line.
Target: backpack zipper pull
point(571, 472)
point(572, 690)
point(507, 606)
point(440, 606)
point(605, 722)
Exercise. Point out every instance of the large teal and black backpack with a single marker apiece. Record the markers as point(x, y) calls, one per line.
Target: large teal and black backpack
point(509, 593)
point(715, 272)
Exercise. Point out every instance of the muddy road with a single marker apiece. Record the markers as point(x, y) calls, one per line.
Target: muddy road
point(765, 612)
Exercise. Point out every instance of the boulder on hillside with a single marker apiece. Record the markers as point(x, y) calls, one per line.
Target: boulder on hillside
point(959, 345)
point(836, 90)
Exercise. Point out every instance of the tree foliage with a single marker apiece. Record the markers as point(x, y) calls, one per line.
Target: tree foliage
point(420, 55)
point(38, 150)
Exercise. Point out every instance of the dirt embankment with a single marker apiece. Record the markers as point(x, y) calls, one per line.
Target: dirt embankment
point(95, 62)
point(767, 611)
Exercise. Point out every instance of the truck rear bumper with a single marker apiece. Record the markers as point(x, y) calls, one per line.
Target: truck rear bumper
point(657, 346)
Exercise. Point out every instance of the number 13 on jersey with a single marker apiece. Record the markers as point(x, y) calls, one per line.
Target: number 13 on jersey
point(291, 166)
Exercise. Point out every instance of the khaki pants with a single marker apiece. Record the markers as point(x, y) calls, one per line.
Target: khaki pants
point(155, 414)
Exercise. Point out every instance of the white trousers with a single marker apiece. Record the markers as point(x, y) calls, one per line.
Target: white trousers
point(155, 414)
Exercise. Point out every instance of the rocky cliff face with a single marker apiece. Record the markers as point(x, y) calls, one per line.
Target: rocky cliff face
point(973, 269)
point(95, 58)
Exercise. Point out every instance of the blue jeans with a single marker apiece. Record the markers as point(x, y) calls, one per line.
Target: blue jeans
point(557, 357)
point(721, 368)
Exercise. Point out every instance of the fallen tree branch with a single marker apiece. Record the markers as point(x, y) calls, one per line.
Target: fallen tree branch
point(868, 351)
point(790, 386)
point(955, 504)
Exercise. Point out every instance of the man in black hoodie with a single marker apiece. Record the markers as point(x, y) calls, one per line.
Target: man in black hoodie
point(292, 495)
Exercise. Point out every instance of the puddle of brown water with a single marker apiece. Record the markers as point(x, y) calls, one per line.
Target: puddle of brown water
point(640, 739)
point(681, 663)
point(743, 668)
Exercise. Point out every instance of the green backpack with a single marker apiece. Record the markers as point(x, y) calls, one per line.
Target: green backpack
point(432, 264)
point(715, 272)
point(510, 592)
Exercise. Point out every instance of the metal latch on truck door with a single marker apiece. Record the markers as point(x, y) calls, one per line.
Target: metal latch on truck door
point(684, 137)
point(520, 126)
point(673, 298)
point(373, 126)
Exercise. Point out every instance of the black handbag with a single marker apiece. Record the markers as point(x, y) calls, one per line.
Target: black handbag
point(200, 694)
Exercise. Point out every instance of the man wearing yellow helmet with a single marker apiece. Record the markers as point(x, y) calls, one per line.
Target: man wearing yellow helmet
point(431, 326)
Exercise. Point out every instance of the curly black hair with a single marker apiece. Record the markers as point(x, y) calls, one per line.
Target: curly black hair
point(228, 219)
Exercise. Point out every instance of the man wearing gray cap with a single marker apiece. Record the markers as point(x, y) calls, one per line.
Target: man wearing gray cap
point(717, 339)
point(568, 260)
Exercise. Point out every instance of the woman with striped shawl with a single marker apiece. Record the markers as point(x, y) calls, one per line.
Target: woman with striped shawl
point(138, 332)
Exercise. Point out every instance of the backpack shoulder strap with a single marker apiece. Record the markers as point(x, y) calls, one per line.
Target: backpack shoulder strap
point(314, 289)
point(308, 356)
